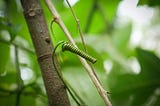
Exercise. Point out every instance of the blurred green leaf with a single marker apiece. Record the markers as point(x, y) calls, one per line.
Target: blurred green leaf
point(5, 55)
point(121, 37)
point(135, 89)
point(97, 24)
point(150, 3)
point(15, 20)
point(28, 100)
point(103, 44)
point(8, 79)
point(78, 78)
point(8, 100)
point(103, 15)
point(110, 8)
point(149, 63)
point(3, 23)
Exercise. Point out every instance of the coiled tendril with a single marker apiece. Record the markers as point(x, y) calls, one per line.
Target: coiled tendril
point(69, 47)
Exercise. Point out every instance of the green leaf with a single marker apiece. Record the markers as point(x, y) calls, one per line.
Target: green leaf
point(110, 8)
point(136, 89)
point(151, 3)
point(5, 54)
point(78, 78)
point(8, 79)
point(103, 44)
point(121, 37)
point(3, 23)
point(101, 16)
point(149, 63)
point(97, 24)
point(15, 20)
point(8, 100)
point(24, 100)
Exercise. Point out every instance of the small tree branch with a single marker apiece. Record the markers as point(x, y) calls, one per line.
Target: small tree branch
point(58, 20)
point(78, 25)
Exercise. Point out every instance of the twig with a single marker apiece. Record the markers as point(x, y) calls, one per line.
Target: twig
point(58, 20)
point(78, 25)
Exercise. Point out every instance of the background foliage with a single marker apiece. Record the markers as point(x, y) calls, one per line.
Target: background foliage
point(130, 73)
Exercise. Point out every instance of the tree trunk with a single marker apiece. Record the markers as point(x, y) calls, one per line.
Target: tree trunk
point(35, 19)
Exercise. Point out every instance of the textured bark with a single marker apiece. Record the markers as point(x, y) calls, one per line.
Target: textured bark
point(35, 19)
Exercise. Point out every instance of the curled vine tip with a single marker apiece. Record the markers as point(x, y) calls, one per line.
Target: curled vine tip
point(69, 47)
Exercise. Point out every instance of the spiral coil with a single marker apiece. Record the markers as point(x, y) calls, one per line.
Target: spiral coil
point(69, 47)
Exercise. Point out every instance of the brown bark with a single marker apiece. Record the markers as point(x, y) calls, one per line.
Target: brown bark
point(35, 19)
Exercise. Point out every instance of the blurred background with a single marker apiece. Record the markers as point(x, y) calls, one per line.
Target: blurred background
point(124, 36)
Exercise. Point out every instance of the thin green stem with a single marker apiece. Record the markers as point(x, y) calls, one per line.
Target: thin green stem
point(52, 32)
point(67, 85)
